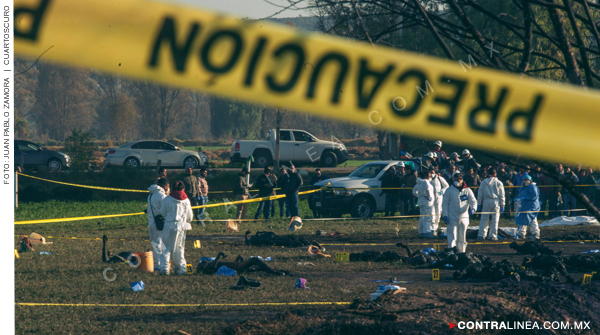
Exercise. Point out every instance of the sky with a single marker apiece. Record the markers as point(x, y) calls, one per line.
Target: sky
point(252, 9)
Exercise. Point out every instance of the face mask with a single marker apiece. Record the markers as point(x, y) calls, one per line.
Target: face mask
point(457, 184)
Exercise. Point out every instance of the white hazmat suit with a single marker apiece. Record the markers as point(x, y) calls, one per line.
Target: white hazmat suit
point(455, 207)
point(490, 197)
point(440, 186)
point(157, 194)
point(178, 215)
point(424, 192)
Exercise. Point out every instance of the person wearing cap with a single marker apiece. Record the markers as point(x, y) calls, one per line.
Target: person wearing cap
point(240, 189)
point(423, 191)
point(440, 186)
point(390, 185)
point(441, 156)
point(427, 161)
point(527, 206)
point(266, 184)
point(468, 162)
point(491, 197)
point(448, 174)
point(459, 202)
point(454, 160)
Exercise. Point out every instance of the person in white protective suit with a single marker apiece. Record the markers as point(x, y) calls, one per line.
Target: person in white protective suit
point(459, 202)
point(491, 198)
point(158, 192)
point(424, 192)
point(177, 211)
point(440, 186)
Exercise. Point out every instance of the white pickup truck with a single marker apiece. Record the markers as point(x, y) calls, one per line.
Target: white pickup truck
point(297, 146)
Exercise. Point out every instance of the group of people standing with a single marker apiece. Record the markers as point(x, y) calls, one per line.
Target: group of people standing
point(289, 182)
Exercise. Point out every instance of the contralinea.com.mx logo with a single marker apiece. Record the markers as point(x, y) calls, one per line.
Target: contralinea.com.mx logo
point(516, 325)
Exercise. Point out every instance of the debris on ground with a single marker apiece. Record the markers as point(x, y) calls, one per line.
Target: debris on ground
point(295, 224)
point(231, 225)
point(301, 283)
point(26, 244)
point(376, 256)
point(270, 239)
point(38, 239)
point(580, 235)
point(225, 271)
point(244, 282)
point(321, 233)
point(46, 253)
point(595, 251)
point(533, 248)
point(390, 289)
point(137, 286)
point(305, 264)
point(268, 259)
point(314, 251)
point(583, 263)
point(431, 312)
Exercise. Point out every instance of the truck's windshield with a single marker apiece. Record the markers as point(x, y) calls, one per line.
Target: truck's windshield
point(370, 170)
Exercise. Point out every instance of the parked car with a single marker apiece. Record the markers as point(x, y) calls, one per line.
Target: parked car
point(36, 155)
point(149, 152)
point(346, 196)
point(295, 145)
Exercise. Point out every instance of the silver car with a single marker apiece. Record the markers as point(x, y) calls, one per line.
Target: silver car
point(149, 152)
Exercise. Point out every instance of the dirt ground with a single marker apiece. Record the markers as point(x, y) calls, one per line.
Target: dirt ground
point(427, 306)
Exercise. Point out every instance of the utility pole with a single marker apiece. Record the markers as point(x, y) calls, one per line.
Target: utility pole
point(277, 141)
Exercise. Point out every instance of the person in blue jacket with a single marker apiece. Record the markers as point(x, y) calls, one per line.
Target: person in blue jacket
point(527, 201)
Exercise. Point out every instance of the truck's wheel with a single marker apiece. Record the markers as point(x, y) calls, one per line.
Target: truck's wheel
point(362, 208)
point(262, 160)
point(329, 159)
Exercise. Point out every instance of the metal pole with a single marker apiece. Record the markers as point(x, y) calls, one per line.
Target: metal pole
point(277, 142)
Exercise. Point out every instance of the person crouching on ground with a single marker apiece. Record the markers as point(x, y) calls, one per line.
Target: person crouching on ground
point(423, 191)
point(158, 192)
point(177, 211)
point(528, 201)
point(491, 198)
point(455, 206)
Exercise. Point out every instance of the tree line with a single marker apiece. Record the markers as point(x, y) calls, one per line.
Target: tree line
point(53, 100)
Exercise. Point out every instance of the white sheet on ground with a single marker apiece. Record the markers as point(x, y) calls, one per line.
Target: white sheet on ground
point(571, 221)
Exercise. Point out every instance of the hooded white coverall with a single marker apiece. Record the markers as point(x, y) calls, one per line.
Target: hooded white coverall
point(455, 206)
point(157, 194)
point(439, 188)
point(490, 197)
point(424, 192)
point(178, 215)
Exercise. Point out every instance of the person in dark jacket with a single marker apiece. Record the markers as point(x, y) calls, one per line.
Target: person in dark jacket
point(292, 186)
point(318, 177)
point(441, 156)
point(240, 189)
point(190, 183)
point(410, 180)
point(266, 184)
point(468, 162)
point(283, 178)
point(390, 180)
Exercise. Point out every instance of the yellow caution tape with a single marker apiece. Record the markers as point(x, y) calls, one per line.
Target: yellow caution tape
point(188, 305)
point(142, 213)
point(85, 186)
point(325, 75)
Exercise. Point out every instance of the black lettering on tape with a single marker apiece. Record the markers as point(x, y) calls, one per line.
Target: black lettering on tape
point(180, 53)
point(343, 64)
point(364, 100)
point(528, 116)
point(492, 109)
point(38, 15)
point(410, 111)
point(260, 46)
point(299, 52)
point(233, 57)
point(452, 101)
